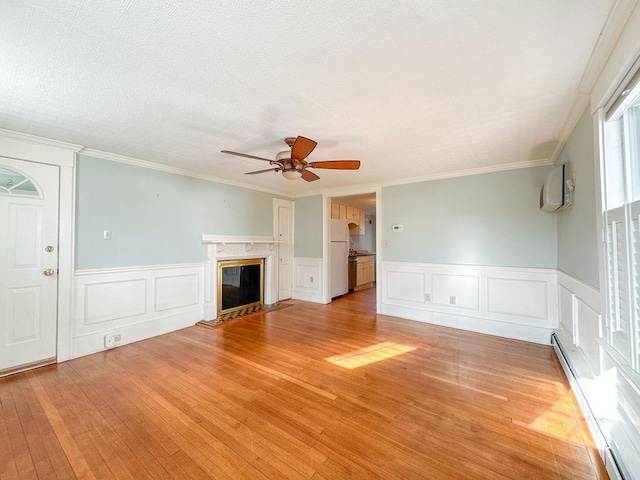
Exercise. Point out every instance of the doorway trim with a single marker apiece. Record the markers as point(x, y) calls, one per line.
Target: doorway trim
point(30, 148)
point(277, 203)
point(326, 237)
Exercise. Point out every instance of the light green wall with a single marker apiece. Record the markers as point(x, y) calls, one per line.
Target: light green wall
point(308, 227)
point(577, 228)
point(157, 217)
point(489, 219)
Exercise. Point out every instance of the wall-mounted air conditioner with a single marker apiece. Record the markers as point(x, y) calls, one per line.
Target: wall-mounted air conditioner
point(556, 191)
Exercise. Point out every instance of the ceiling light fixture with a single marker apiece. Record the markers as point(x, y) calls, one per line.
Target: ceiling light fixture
point(292, 174)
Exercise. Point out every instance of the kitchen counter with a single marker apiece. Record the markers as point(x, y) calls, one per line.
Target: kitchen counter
point(353, 256)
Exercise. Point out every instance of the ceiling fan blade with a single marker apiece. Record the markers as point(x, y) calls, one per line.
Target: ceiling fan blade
point(245, 155)
point(337, 164)
point(263, 171)
point(302, 147)
point(309, 176)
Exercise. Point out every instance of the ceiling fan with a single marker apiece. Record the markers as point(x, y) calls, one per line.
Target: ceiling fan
point(292, 162)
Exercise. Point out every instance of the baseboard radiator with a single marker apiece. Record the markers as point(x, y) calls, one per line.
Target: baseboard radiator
point(613, 468)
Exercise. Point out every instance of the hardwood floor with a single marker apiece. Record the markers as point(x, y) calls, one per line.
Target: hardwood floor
point(309, 391)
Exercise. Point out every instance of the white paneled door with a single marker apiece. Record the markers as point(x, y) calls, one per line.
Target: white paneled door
point(28, 263)
point(284, 221)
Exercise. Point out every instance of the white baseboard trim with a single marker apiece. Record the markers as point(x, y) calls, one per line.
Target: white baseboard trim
point(519, 303)
point(134, 332)
point(135, 302)
point(516, 331)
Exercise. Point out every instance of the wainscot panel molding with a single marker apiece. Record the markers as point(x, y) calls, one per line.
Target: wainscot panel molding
point(520, 303)
point(307, 279)
point(594, 372)
point(135, 302)
point(579, 324)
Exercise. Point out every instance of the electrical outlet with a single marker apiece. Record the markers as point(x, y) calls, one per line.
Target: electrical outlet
point(452, 300)
point(427, 297)
point(385, 244)
point(111, 340)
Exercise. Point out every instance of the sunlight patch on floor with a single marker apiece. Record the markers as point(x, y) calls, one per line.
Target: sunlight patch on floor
point(562, 422)
point(368, 355)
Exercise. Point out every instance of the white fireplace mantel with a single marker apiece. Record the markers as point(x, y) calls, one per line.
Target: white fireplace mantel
point(228, 239)
point(233, 247)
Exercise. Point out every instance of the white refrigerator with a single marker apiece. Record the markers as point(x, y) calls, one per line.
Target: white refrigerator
point(339, 258)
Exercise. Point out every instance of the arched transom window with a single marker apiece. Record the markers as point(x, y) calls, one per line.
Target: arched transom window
point(15, 183)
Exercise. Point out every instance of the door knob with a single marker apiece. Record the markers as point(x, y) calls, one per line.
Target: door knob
point(48, 272)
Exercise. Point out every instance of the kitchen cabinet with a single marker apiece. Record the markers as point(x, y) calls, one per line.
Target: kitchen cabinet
point(357, 229)
point(335, 211)
point(365, 271)
point(360, 229)
point(351, 214)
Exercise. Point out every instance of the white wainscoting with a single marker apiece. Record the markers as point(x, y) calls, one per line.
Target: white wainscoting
point(307, 279)
point(579, 324)
point(604, 387)
point(136, 302)
point(519, 303)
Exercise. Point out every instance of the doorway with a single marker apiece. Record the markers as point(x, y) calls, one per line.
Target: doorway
point(360, 212)
point(29, 210)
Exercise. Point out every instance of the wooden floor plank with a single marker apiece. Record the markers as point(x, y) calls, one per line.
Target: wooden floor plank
point(8, 468)
point(270, 396)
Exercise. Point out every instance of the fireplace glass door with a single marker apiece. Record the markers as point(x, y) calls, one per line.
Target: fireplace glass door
point(240, 284)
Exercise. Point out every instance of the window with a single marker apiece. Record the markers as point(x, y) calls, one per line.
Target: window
point(621, 215)
point(14, 183)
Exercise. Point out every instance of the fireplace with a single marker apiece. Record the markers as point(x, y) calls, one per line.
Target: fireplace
point(240, 284)
point(225, 248)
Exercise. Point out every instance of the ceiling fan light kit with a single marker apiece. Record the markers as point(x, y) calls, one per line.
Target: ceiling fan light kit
point(292, 162)
point(292, 174)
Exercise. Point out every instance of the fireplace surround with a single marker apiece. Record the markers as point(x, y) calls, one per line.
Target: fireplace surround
point(221, 248)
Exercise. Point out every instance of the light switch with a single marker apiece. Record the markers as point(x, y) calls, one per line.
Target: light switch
point(106, 234)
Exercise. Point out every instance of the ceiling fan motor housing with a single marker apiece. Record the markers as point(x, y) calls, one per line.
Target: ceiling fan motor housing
point(284, 155)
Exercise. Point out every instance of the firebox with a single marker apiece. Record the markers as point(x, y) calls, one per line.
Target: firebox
point(240, 284)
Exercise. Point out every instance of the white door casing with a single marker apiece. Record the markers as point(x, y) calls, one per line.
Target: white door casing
point(28, 264)
point(283, 229)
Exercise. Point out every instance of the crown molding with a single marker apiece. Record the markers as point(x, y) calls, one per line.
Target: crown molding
point(577, 108)
point(371, 187)
point(471, 171)
point(608, 39)
point(27, 138)
point(177, 171)
point(611, 30)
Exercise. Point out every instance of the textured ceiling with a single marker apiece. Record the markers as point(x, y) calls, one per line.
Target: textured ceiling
point(411, 88)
